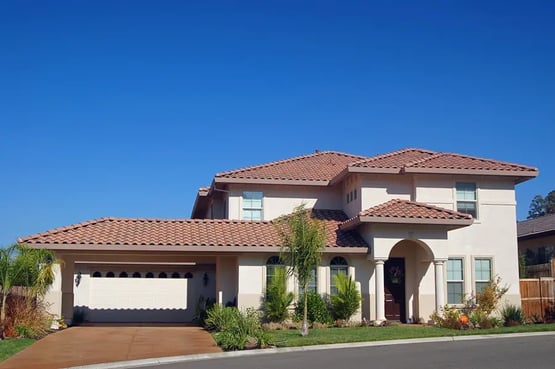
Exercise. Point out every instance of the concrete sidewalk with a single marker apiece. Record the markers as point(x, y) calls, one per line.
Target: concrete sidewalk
point(78, 346)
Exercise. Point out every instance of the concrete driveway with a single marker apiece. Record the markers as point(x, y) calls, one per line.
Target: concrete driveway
point(101, 344)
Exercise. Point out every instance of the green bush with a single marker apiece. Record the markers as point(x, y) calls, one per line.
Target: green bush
point(235, 329)
point(203, 305)
point(347, 300)
point(512, 315)
point(220, 318)
point(277, 300)
point(317, 309)
point(450, 318)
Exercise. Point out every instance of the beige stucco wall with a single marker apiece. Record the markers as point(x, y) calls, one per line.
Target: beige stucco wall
point(280, 200)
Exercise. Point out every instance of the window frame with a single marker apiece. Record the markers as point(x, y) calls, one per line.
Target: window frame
point(338, 267)
point(474, 269)
point(455, 281)
point(463, 187)
point(246, 201)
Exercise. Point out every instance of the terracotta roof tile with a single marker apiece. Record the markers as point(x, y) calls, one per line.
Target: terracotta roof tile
point(536, 226)
point(320, 166)
point(404, 211)
point(465, 162)
point(186, 232)
point(395, 159)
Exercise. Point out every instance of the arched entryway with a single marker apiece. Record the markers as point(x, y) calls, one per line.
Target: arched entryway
point(405, 271)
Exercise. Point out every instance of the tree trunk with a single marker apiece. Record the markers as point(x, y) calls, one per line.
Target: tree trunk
point(3, 309)
point(304, 330)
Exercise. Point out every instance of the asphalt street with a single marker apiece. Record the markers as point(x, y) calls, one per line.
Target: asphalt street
point(500, 353)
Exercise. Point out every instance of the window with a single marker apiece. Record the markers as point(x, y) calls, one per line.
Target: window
point(482, 272)
point(466, 198)
point(188, 275)
point(175, 275)
point(252, 205)
point(110, 275)
point(136, 275)
point(455, 281)
point(337, 265)
point(97, 275)
point(272, 265)
point(123, 275)
point(312, 283)
point(149, 275)
point(162, 275)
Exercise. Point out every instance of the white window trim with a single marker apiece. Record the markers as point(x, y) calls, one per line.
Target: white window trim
point(477, 201)
point(464, 287)
point(242, 206)
point(492, 269)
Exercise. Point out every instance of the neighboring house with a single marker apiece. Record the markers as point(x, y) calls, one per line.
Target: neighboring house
point(416, 229)
point(536, 239)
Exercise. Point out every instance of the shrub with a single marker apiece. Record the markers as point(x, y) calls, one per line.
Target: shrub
point(277, 300)
point(347, 300)
point(450, 318)
point(235, 329)
point(512, 315)
point(317, 309)
point(489, 297)
point(26, 317)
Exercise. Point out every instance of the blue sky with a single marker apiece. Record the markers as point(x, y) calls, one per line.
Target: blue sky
point(126, 108)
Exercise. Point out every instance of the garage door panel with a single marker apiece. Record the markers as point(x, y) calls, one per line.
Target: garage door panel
point(134, 293)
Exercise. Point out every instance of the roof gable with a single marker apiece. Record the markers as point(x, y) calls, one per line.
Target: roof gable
point(318, 168)
point(411, 212)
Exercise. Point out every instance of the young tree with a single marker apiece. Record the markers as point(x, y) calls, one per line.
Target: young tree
point(23, 266)
point(303, 241)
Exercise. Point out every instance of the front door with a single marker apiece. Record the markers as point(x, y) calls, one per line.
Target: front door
point(394, 283)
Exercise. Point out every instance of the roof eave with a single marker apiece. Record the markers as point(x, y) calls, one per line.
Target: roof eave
point(504, 173)
point(185, 248)
point(355, 222)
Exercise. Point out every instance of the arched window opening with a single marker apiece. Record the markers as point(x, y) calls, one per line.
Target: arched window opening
point(110, 275)
point(136, 275)
point(149, 275)
point(162, 275)
point(123, 275)
point(97, 275)
point(188, 275)
point(175, 275)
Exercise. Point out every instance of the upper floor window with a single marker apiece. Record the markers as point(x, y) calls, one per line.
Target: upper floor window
point(252, 205)
point(482, 273)
point(466, 198)
point(337, 265)
point(455, 281)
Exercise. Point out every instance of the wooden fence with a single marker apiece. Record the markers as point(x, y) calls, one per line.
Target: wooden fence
point(538, 297)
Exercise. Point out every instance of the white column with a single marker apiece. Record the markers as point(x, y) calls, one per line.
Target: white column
point(380, 292)
point(440, 297)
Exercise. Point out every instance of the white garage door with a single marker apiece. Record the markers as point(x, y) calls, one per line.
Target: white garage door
point(104, 298)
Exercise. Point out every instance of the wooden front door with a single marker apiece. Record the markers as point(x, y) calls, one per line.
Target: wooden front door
point(394, 283)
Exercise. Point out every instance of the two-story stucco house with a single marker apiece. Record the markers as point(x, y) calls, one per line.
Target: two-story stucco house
point(416, 229)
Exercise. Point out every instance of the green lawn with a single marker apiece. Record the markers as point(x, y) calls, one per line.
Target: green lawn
point(291, 338)
point(12, 346)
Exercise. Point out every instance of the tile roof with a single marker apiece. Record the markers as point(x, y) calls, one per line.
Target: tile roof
point(186, 232)
point(321, 166)
point(393, 160)
point(536, 226)
point(457, 162)
point(405, 211)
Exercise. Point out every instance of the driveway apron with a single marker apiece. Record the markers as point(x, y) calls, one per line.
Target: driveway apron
point(101, 344)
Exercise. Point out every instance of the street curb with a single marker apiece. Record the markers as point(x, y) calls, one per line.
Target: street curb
point(223, 355)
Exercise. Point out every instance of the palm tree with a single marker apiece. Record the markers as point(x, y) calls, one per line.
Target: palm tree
point(303, 241)
point(23, 266)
